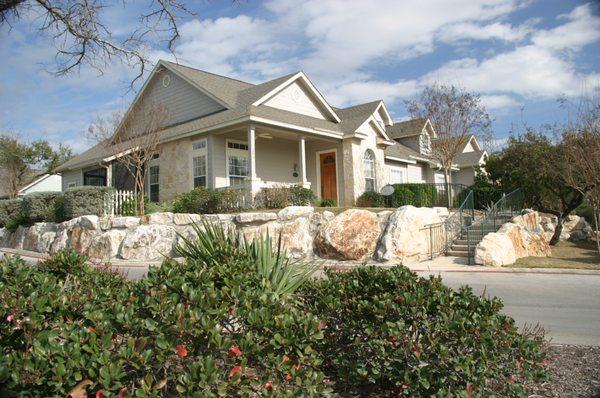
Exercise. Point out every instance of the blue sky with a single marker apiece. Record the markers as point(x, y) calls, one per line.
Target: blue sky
point(519, 55)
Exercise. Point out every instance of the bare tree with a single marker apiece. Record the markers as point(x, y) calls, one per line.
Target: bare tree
point(580, 150)
point(455, 115)
point(82, 37)
point(133, 140)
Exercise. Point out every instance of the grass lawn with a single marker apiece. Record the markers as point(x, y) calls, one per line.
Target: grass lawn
point(581, 255)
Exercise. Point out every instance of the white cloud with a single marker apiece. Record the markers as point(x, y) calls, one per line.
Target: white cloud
point(496, 30)
point(582, 28)
point(495, 102)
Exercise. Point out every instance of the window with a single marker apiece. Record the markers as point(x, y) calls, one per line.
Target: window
point(199, 163)
point(199, 171)
point(370, 183)
point(424, 143)
point(397, 175)
point(237, 162)
point(72, 184)
point(95, 177)
point(153, 172)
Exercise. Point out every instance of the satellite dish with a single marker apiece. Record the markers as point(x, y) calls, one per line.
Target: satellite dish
point(387, 190)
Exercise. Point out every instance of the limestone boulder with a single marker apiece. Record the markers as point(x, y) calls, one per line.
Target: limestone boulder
point(293, 212)
point(3, 235)
point(105, 223)
point(186, 219)
point(158, 218)
point(125, 222)
point(404, 237)
point(495, 250)
point(106, 245)
point(383, 217)
point(148, 242)
point(81, 238)
point(351, 235)
point(39, 237)
point(15, 239)
point(87, 222)
point(257, 217)
point(296, 237)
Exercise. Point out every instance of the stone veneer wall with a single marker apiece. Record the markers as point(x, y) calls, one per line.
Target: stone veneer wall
point(355, 234)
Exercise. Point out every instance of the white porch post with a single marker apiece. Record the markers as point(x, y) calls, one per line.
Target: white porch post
point(302, 160)
point(253, 183)
point(251, 152)
point(109, 172)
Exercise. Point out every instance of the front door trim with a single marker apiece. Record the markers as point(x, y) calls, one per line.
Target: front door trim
point(337, 173)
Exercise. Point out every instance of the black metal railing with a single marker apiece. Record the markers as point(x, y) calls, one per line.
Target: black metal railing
point(501, 212)
point(427, 195)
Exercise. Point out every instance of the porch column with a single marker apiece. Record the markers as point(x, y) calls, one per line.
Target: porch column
point(109, 172)
point(251, 152)
point(253, 183)
point(302, 161)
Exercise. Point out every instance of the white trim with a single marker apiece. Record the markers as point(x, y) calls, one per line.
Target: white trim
point(428, 123)
point(395, 159)
point(311, 87)
point(228, 151)
point(194, 153)
point(337, 173)
point(387, 114)
point(316, 131)
point(34, 182)
point(403, 171)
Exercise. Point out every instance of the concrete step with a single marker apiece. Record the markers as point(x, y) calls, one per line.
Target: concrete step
point(464, 242)
point(463, 248)
point(457, 253)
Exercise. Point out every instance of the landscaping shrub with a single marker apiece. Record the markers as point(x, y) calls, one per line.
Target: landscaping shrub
point(86, 200)
point(202, 200)
point(9, 209)
point(419, 195)
point(301, 196)
point(41, 206)
point(273, 198)
point(392, 333)
point(371, 199)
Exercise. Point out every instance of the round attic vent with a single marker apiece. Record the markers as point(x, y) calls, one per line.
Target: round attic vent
point(296, 94)
point(166, 80)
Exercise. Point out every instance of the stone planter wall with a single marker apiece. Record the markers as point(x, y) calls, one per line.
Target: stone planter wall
point(352, 235)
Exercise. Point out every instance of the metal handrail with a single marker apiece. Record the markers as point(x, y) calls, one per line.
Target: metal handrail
point(508, 206)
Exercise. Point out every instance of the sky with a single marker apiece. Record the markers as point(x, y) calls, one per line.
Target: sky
point(520, 56)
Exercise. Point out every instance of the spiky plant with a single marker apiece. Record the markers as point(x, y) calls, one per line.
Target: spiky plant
point(216, 244)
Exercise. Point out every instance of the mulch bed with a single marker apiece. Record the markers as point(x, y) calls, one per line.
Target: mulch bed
point(574, 372)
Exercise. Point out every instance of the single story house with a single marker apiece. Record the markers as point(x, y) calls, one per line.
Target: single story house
point(224, 132)
point(44, 183)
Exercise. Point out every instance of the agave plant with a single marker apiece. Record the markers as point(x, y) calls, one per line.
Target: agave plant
point(216, 244)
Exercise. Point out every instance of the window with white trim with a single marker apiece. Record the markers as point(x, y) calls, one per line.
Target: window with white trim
point(153, 173)
point(237, 162)
point(397, 175)
point(199, 163)
point(369, 164)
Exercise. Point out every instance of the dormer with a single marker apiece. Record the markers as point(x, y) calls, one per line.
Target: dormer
point(415, 134)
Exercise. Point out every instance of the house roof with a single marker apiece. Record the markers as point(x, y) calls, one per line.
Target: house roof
point(407, 128)
point(400, 151)
point(239, 97)
point(469, 158)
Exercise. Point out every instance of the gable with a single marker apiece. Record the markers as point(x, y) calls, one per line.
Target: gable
point(469, 147)
point(183, 101)
point(297, 98)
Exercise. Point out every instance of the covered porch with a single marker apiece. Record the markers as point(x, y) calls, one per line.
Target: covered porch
point(254, 156)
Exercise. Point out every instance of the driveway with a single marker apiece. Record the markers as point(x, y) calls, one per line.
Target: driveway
point(566, 305)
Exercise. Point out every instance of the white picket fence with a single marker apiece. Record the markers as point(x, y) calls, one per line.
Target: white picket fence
point(119, 203)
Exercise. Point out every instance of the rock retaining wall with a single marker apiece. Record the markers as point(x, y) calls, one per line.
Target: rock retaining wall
point(355, 234)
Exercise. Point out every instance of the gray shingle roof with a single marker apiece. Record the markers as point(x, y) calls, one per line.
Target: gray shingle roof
point(468, 158)
point(239, 96)
point(406, 129)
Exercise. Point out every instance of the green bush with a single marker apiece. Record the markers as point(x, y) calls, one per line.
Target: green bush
point(41, 206)
point(419, 195)
point(9, 209)
point(273, 198)
point(328, 203)
point(301, 196)
point(371, 199)
point(392, 333)
point(194, 329)
point(86, 200)
point(586, 211)
point(202, 200)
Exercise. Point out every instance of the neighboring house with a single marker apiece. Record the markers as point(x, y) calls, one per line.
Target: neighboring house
point(45, 183)
point(228, 133)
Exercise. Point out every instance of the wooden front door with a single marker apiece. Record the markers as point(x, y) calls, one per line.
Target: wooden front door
point(328, 176)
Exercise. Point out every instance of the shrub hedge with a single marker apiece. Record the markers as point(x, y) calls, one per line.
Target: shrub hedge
point(419, 195)
point(42, 206)
point(279, 197)
point(392, 333)
point(371, 199)
point(9, 209)
point(86, 200)
point(220, 324)
point(202, 200)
